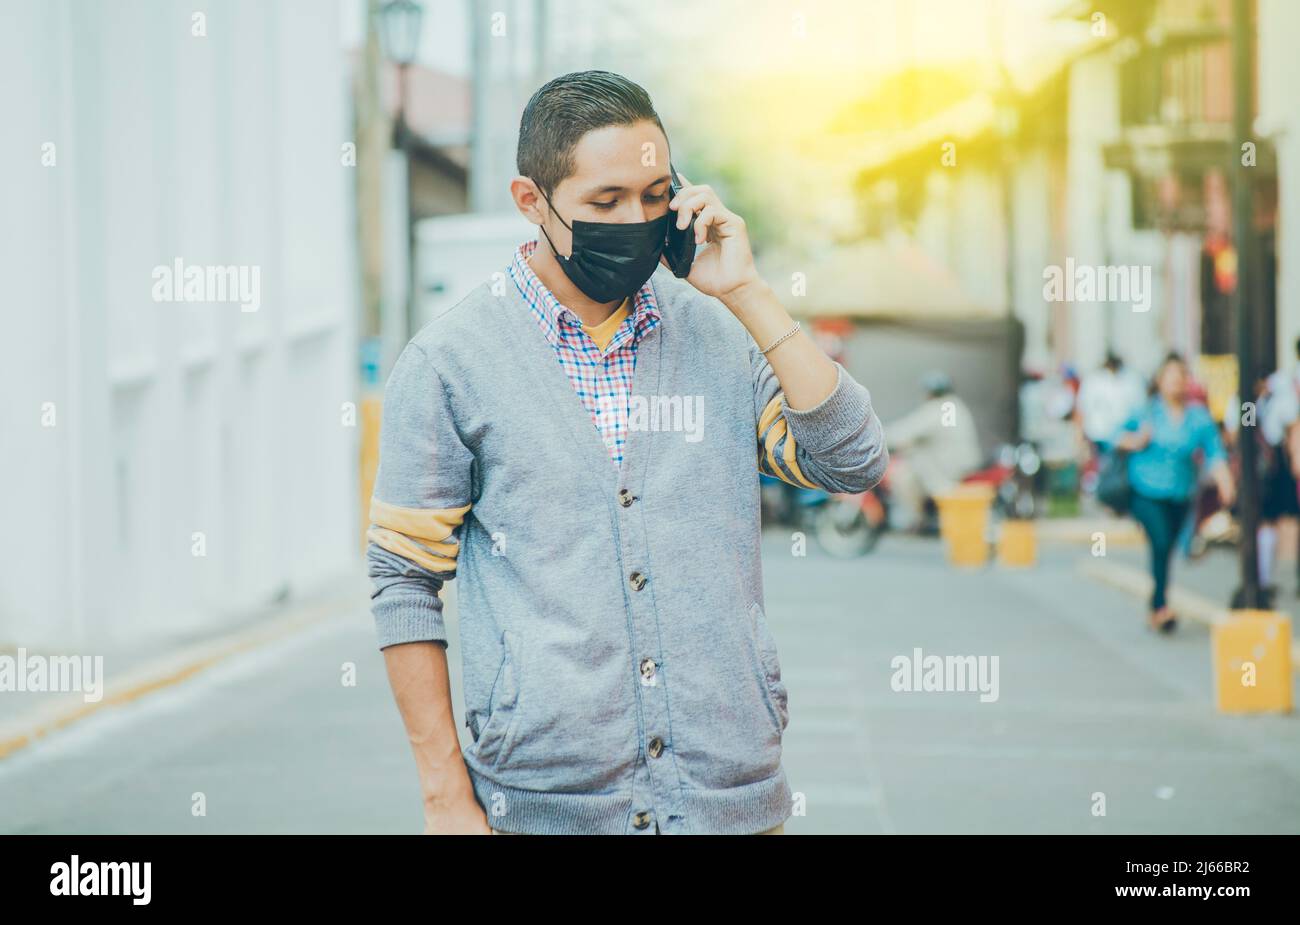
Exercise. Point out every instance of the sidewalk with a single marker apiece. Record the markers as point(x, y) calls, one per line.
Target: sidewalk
point(1119, 531)
point(1201, 589)
point(132, 671)
point(1088, 702)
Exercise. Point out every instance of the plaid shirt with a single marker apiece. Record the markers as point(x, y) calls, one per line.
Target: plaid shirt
point(602, 378)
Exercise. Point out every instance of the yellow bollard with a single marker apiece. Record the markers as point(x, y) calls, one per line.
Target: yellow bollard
point(1251, 655)
point(968, 550)
point(964, 523)
point(1017, 545)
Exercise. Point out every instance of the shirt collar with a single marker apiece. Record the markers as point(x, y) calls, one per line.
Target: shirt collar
point(553, 315)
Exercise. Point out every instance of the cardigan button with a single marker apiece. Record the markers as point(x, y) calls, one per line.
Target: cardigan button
point(637, 581)
point(625, 497)
point(647, 668)
point(641, 820)
point(656, 747)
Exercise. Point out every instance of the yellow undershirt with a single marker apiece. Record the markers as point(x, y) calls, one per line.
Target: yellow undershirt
point(604, 332)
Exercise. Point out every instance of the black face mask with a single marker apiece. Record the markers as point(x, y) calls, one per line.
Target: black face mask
point(611, 260)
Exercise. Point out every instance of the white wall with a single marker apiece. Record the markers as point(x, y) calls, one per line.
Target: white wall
point(1032, 189)
point(961, 226)
point(1093, 120)
point(1279, 120)
point(1099, 229)
point(172, 418)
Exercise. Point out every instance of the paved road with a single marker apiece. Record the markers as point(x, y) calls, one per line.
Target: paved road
point(1088, 703)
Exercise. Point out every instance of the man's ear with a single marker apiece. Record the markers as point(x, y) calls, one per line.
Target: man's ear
point(528, 199)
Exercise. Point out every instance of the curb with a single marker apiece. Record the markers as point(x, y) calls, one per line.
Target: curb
point(1118, 532)
point(175, 667)
point(1187, 604)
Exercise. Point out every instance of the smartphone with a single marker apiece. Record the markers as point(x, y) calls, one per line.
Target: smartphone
point(679, 249)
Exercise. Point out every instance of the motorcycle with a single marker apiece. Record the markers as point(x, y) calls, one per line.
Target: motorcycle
point(851, 525)
point(789, 505)
point(1019, 491)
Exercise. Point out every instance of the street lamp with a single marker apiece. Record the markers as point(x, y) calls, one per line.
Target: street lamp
point(399, 30)
point(400, 23)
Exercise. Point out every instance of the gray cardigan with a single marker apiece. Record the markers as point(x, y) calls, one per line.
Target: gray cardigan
point(619, 673)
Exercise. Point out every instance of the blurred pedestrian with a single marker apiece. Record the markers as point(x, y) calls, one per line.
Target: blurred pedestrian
point(1277, 410)
point(1164, 438)
point(1107, 397)
point(940, 446)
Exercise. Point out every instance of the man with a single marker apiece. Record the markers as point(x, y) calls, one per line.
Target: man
point(580, 442)
point(1106, 399)
point(940, 447)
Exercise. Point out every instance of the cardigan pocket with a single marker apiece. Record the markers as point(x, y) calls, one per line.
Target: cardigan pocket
point(774, 690)
point(495, 740)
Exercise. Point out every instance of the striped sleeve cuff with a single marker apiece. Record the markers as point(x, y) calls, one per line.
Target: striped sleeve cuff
point(422, 535)
point(776, 445)
point(838, 417)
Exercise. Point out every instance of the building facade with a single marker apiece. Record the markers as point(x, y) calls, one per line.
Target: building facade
point(182, 300)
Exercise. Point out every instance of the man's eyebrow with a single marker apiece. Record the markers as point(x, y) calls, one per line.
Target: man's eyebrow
point(621, 189)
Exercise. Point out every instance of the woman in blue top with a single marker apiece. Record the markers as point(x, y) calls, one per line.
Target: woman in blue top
point(1164, 438)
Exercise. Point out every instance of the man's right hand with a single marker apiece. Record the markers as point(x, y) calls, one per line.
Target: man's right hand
point(418, 674)
point(455, 811)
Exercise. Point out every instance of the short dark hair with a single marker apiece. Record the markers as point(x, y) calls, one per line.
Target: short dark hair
point(1297, 346)
point(565, 109)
